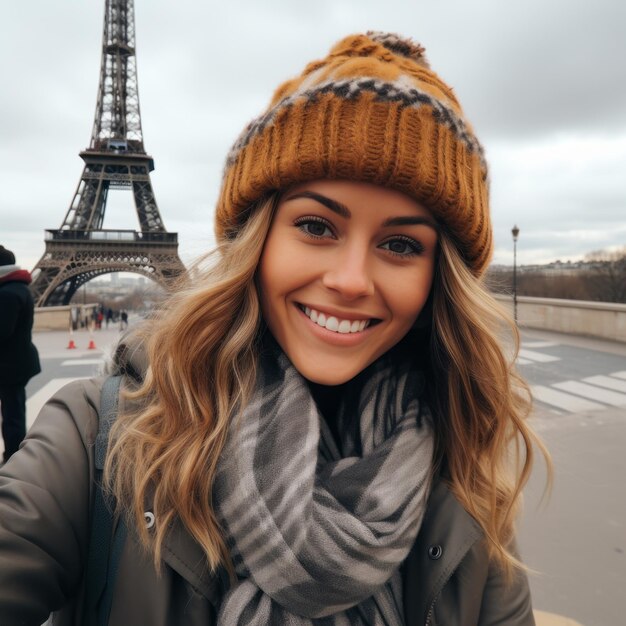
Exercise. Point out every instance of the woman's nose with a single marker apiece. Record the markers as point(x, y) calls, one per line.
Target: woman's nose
point(350, 274)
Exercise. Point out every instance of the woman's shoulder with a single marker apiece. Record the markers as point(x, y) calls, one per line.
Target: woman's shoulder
point(81, 399)
point(130, 357)
point(74, 406)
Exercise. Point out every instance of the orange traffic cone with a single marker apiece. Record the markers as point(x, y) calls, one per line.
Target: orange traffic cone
point(92, 343)
point(71, 345)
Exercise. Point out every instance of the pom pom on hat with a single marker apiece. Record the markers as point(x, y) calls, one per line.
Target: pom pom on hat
point(403, 46)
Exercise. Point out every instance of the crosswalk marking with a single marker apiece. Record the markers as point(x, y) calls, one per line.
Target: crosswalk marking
point(619, 375)
point(561, 400)
point(82, 362)
point(608, 382)
point(41, 396)
point(539, 357)
point(594, 393)
point(521, 361)
point(540, 344)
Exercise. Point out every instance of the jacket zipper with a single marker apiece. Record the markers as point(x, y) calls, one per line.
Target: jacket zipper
point(430, 611)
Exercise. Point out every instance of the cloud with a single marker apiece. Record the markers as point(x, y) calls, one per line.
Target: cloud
point(543, 82)
point(533, 68)
point(564, 192)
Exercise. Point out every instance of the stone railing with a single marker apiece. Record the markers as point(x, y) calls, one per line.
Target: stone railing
point(576, 317)
point(604, 320)
point(61, 317)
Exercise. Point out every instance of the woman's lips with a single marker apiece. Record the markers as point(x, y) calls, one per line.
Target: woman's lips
point(334, 337)
point(333, 323)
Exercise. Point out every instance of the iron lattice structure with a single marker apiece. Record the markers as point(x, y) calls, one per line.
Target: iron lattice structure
point(116, 159)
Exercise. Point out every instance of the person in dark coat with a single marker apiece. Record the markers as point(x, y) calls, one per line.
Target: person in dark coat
point(123, 320)
point(19, 360)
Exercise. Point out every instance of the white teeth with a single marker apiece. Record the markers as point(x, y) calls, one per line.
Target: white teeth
point(334, 324)
point(344, 327)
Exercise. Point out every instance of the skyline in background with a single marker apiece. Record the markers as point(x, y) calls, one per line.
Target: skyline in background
point(544, 85)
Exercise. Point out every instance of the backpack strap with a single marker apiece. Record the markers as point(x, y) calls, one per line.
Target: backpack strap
point(109, 397)
point(107, 537)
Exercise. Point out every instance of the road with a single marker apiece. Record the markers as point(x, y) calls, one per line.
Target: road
point(576, 540)
point(61, 365)
point(575, 543)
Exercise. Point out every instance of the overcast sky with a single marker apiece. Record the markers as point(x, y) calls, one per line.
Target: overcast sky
point(543, 81)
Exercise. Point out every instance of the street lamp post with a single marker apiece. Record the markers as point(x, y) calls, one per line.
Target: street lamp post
point(515, 233)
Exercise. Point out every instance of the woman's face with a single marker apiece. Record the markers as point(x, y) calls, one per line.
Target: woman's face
point(345, 271)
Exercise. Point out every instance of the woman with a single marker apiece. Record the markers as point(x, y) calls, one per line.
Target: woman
point(324, 427)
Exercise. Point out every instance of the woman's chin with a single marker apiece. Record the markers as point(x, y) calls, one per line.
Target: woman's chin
point(330, 374)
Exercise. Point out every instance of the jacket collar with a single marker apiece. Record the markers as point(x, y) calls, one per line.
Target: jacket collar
point(13, 273)
point(185, 556)
point(445, 537)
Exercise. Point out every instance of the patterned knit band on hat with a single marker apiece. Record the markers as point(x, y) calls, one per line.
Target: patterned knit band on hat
point(371, 111)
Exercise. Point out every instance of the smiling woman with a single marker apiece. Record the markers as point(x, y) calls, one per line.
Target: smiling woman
point(334, 273)
point(323, 427)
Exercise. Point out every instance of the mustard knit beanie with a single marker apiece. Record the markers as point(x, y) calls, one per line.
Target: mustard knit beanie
point(371, 111)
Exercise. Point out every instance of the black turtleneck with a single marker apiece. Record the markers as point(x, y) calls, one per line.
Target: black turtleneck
point(327, 398)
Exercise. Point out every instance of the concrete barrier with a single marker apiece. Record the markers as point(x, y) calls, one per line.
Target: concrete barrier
point(60, 317)
point(604, 320)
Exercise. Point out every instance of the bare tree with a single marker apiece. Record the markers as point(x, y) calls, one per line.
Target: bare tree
point(603, 279)
point(609, 274)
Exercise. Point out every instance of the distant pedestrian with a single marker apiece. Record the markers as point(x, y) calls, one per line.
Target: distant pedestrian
point(109, 316)
point(19, 360)
point(123, 320)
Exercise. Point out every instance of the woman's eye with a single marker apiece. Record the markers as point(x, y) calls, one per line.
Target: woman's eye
point(403, 247)
point(314, 228)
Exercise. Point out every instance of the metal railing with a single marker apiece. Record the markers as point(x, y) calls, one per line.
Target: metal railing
point(125, 236)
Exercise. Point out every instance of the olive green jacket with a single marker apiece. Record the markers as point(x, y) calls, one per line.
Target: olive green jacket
point(46, 496)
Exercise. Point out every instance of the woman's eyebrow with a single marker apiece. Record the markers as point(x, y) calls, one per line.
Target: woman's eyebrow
point(333, 205)
point(410, 220)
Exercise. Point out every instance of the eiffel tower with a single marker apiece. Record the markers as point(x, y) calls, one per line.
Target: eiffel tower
point(116, 159)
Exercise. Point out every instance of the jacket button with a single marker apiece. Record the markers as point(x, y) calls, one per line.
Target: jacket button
point(149, 517)
point(435, 552)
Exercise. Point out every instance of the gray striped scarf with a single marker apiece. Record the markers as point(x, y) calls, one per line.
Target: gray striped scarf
point(317, 528)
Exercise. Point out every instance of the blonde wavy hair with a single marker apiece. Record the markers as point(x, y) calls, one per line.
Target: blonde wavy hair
point(485, 447)
point(202, 351)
